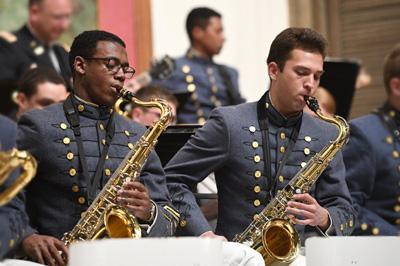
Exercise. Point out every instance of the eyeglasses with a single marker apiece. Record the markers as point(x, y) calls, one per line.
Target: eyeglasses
point(113, 65)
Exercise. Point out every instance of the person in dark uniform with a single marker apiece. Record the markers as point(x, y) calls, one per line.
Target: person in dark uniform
point(372, 159)
point(75, 162)
point(13, 219)
point(199, 83)
point(249, 171)
point(34, 45)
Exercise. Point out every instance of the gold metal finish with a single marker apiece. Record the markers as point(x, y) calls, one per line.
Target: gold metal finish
point(11, 161)
point(104, 217)
point(271, 233)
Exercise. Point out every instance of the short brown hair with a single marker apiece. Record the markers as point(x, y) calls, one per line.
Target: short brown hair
point(295, 38)
point(391, 67)
point(150, 92)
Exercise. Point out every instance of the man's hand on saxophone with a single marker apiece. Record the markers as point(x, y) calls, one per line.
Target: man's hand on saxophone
point(305, 210)
point(134, 196)
point(45, 249)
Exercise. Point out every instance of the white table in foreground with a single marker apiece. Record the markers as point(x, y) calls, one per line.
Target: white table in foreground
point(353, 251)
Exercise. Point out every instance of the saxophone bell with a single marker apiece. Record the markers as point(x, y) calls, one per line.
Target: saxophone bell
point(9, 162)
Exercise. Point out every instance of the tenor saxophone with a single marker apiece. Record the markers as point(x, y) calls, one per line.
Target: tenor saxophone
point(104, 217)
point(9, 162)
point(271, 232)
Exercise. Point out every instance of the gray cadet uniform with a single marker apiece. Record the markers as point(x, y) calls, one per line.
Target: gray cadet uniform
point(230, 144)
point(58, 195)
point(372, 159)
point(201, 85)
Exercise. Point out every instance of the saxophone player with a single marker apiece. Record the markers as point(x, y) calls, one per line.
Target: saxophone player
point(256, 148)
point(79, 144)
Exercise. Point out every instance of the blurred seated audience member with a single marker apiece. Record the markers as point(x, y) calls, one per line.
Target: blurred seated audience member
point(36, 45)
point(327, 102)
point(38, 88)
point(149, 116)
point(372, 159)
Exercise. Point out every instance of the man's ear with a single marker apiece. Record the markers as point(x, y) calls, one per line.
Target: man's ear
point(80, 65)
point(21, 100)
point(197, 33)
point(273, 70)
point(394, 84)
point(136, 114)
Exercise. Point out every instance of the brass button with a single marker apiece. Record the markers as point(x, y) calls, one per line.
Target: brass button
point(185, 69)
point(75, 188)
point(278, 191)
point(257, 158)
point(281, 178)
point(63, 126)
point(364, 226)
point(214, 89)
point(267, 105)
point(303, 164)
point(257, 174)
point(351, 223)
point(209, 70)
point(375, 231)
point(255, 216)
point(252, 129)
point(191, 87)
point(307, 138)
point(282, 135)
point(213, 98)
point(257, 189)
point(107, 157)
point(397, 208)
point(389, 140)
point(101, 126)
point(200, 112)
point(130, 145)
point(256, 202)
point(66, 140)
point(254, 144)
point(282, 149)
point(201, 120)
point(182, 223)
point(189, 78)
point(397, 221)
point(341, 227)
point(83, 214)
point(72, 172)
point(107, 172)
point(127, 133)
point(81, 200)
point(395, 154)
point(81, 108)
point(11, 243)
point(392, 113)
point(103, 141)
point(70, 156)
point(306, 151)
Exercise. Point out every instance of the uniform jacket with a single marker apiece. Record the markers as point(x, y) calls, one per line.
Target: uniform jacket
point(13, 219)
point(26, 52)
point(200, 87)
point(230, 144)
point(373, 175)
point(58, 195)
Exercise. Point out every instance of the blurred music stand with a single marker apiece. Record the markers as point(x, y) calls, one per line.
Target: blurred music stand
point(172, 139)
point(339, 79)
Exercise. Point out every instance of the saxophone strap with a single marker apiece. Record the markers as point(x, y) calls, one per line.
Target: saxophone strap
point(73, 119)
point(262, 115)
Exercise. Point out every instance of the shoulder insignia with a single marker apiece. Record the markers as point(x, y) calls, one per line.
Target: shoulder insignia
point(8, 36)
point(66, 47)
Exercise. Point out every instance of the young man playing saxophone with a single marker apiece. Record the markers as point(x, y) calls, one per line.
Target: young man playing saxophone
point(252, 163)
point(75, 162)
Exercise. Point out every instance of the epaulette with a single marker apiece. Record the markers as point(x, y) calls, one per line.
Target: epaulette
point(66, 47)
point(8, 36)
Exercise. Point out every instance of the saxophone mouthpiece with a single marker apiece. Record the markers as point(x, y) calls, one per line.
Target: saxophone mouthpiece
point(126, 95)
point(312, 103)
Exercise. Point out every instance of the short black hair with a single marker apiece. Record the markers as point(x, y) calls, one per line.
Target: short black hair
point(199, 17)
point(391, 68)
point(30, 80)
point(295, 38)
point(85, 44)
